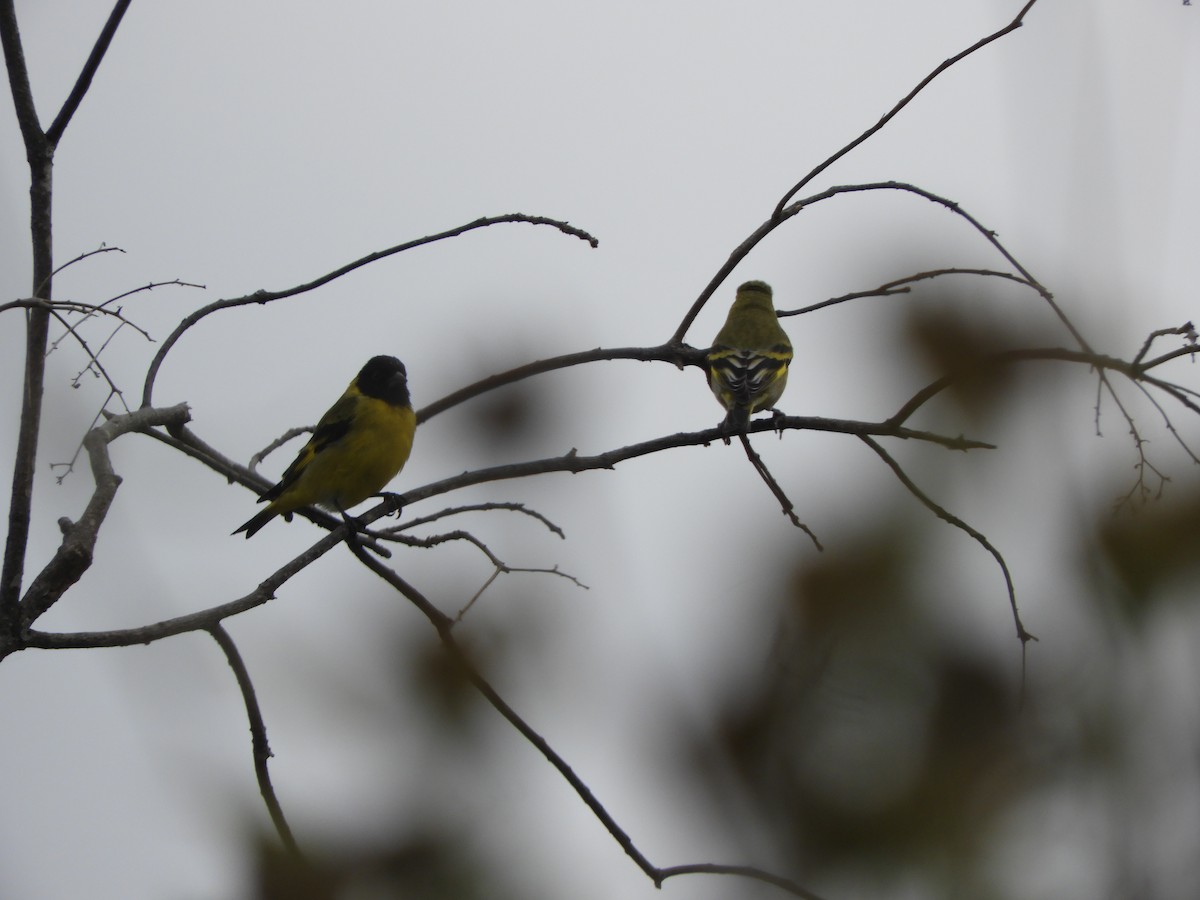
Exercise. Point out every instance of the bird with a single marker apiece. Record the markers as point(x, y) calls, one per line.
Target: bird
point(357, 447)
point(749, 358)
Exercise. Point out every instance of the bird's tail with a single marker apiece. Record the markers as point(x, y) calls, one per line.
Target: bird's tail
point(736, 420)
point(251, 528)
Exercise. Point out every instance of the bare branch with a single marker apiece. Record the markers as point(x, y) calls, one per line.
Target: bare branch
point(742, 871)
point(435, 540)
point(103, 308)
point(782, 211)
point(74, 555)
point(575, 463)
point(261, 297)
point(87, 254)
point(84, 81)
point(444, 627)
point(900, 286)
point(18, 82)
point(478, 507)
point(257, 458)
point(1171, 429)
point(496, 573)
point(94, 365)
point(39, 151)
point(502, 569)
point(1187, 330)
point(1016, 23)
point(955, 208)
point(764, 473)
point(1022, 634)
point(60, 308)
point(258, 739)
point(1137, 373)
point(69, 465)
point(797, 207)
point(202, 620)
point(678, 354)
point(1026, 354)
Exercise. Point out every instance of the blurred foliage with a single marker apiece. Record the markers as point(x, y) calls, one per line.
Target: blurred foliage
point(1152, 551)
point(430, 866)
point(870, 741)
point(952, 334)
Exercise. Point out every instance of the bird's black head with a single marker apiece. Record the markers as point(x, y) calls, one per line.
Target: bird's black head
point(384, 378)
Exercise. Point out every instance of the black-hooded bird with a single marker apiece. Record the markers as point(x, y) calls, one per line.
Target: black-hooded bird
point(748, 362)
point(359, 445)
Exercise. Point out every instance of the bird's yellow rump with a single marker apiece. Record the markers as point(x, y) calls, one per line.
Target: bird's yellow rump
point(359, 445)
point(748, 362)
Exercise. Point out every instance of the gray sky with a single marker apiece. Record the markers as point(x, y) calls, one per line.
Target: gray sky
point(246, 145)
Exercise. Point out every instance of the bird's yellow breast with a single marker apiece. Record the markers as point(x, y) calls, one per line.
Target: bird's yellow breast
point(361, 463)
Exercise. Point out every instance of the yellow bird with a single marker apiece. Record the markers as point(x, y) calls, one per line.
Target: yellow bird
point(748, 362)
point(359, 445)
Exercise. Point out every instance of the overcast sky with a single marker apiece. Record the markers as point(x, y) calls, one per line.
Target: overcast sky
point(247, 145)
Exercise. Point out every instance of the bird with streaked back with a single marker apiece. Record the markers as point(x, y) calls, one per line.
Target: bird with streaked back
point(748, 362)
point(359, 445)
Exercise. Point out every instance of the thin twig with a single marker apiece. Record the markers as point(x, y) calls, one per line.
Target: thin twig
point(900, 286)
point(501, 567)
point(69, 465)
point(94, 364)
point(1187, 330)
point(786, 504)
point(262, 296)
point(799, 206)
point(284, 438)
point(478, 507)
point(938, 510)
point(87, 254)
point(1016, 23)
point(87, 311)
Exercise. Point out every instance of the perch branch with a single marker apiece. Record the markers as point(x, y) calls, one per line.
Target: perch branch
point(679, 354)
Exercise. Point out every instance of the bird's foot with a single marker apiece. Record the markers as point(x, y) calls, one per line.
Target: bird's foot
point(394, 499)
point(777, 417)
